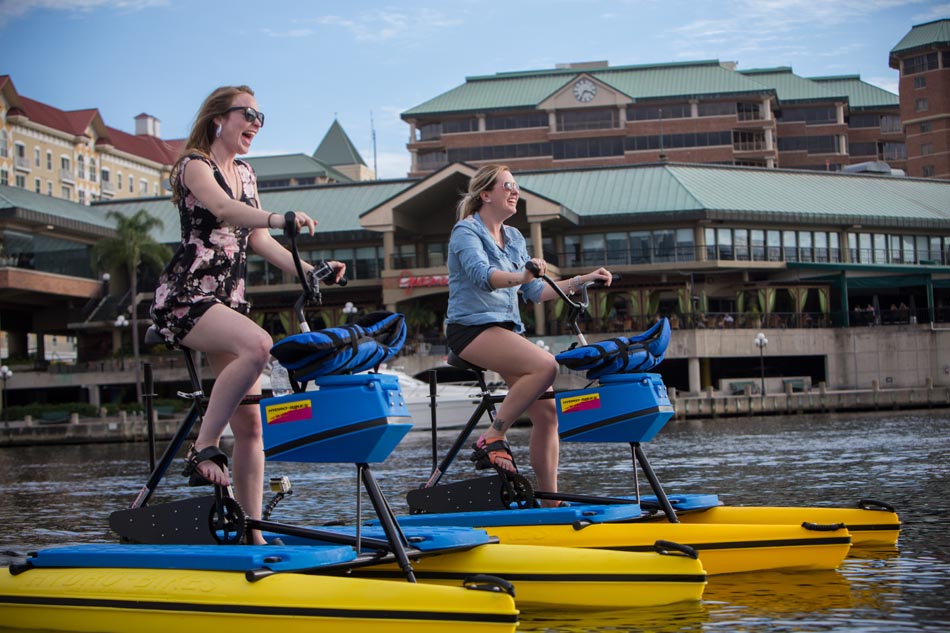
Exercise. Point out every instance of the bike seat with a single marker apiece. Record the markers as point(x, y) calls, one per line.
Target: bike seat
point(455, 360)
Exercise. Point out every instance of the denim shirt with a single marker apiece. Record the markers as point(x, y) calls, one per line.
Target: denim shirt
point(473, 257)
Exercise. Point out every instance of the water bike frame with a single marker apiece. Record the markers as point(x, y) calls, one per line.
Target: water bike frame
point(219, 519)
point(629, 408)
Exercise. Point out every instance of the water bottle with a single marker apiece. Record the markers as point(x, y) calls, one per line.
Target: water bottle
point(279, 379)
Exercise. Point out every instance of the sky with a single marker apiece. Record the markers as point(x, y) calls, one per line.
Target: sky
point(365, 62)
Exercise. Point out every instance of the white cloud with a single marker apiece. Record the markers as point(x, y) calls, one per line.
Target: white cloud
point(12, 9)
point(385, 25)
point(936, 12)
point(290, 33)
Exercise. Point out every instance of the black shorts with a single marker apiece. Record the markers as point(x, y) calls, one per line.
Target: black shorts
point(457, 337)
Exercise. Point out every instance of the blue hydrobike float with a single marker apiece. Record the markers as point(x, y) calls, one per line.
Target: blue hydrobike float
point(625, 403)
point(185, 562)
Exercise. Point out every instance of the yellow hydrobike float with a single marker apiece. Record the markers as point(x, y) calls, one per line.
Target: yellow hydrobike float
point(625, 403)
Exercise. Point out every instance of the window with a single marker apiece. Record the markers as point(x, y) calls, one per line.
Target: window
point(774, 241)
point(879, 256)
point(82, 197)
point(805, 246)
point(716, 108)
point(926, 126)
point(143, 186)
point(118, 181)
point(864, 247)
point(724, 241)
point(758, 244)
point(92, 169)
point(920, 82)
point(894, 151)
point(64, 167)
point(920, 105)
point(748, 140)
point(920, 63)
point(864, 149)
point(37, 185)
point(437, 253)
point(926, 149)
point(131, 184)
point(515, 121)
point(36, 157)
point(748, 111)
point(4, 178)
point(593, 249)
point(497, 152)
point(929, 171)
point(641, 247)
point(49, 160)
point(821, 246)
point(685, 245)
point(66, 193)
point(664, 244)
point(21, 181)
point(428, 160)
point(666, 111)
point(49, 188)
point(789, 248)
point(3, 144)
point(891, 124)
point(741, 238)
point(811, 116)
point(456, 126)
point(81, 166)
point(809, 144)
point(864, 120)
point(617, 250)
point(588, 148)
point(599, 119)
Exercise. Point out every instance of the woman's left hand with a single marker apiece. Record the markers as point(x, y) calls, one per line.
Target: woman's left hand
point(601, 274)
point(304, 220)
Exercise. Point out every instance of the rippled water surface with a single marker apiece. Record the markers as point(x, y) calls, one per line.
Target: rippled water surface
point(64, 494)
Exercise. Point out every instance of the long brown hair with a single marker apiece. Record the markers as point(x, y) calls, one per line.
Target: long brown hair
point(203, 129)
point(483, 180)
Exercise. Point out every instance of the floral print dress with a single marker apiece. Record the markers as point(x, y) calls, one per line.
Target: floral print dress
point(210, 265)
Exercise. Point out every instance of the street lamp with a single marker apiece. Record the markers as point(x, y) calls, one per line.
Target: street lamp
point(761, 342)
point(5, 374)
point(350, 311)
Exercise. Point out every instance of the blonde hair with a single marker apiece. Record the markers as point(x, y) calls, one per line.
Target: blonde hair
point(203, 129)
point(483, 180)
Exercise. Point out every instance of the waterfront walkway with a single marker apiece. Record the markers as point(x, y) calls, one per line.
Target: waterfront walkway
point(709, 405)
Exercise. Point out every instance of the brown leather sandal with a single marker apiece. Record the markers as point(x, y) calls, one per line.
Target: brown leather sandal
point(486, 455)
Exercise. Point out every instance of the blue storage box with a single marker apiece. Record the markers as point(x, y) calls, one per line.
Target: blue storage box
point(623, 408)
point(348, 419)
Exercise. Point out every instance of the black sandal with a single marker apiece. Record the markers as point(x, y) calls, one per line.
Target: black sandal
point(485, 455)
point(209, 453)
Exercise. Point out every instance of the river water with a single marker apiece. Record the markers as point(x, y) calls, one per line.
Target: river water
point(64, 494)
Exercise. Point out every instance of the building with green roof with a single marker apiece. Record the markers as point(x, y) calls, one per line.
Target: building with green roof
point(790, 252)
point(923, 59)
point(705, 111)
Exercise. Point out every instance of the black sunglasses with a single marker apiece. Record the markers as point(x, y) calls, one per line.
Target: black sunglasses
point(249, 114)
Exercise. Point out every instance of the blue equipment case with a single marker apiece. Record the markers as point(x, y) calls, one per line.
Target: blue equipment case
point(622, 408)
point(347, 419)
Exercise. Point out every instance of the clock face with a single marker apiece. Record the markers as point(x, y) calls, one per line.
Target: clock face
point(585, 90)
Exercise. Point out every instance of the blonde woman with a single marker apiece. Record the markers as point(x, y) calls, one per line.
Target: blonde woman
point(483, 325)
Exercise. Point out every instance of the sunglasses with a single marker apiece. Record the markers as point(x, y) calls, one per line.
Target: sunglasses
point(249, 114)
point(511, 186)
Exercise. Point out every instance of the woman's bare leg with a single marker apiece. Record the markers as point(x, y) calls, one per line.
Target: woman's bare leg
point(239, 350)
point(528, 371)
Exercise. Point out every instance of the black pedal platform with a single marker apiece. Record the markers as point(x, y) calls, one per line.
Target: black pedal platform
point(479, 494)
point(209, 520)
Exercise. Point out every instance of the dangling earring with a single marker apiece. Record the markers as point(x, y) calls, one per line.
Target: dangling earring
point(217, 131)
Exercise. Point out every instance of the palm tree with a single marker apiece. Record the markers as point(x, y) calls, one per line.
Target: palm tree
point(130, 249)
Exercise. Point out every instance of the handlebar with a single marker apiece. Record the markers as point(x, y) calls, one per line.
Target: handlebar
point(575, 307)
point(310, 281)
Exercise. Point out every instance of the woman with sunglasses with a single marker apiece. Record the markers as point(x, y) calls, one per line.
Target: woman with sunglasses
point(486, 264)
point(200, 302)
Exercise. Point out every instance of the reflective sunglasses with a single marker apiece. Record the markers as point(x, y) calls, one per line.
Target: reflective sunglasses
point(511, 186)
point(249, 114)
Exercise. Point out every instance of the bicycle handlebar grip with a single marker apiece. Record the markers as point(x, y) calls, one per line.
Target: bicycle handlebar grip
point(533, 268)
point(290, 224)
point(322, 271)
